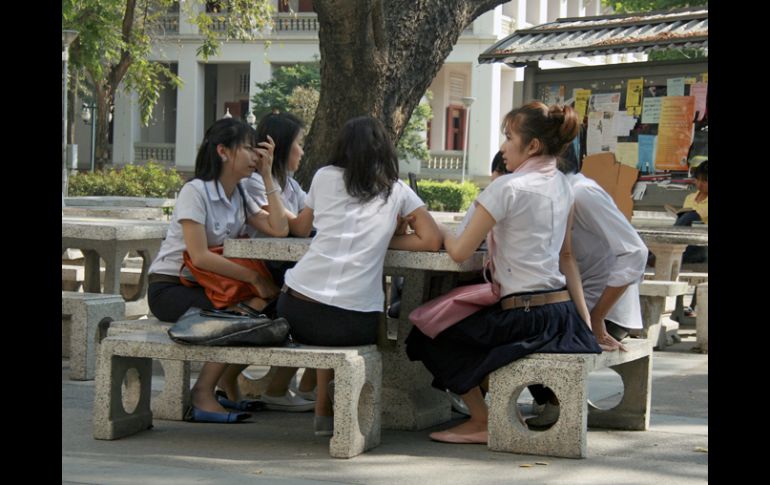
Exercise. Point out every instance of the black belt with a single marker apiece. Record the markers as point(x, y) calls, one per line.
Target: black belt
point(529, 301)
point(163, 278)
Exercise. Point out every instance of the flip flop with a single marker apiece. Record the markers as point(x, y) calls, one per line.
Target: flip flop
point(196, 415)
point(479, 438)
point(244, 405)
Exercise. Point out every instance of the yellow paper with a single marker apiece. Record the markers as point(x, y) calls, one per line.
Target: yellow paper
point(627, 153)
point(581, 101)
point(634, 93)
point(690, 80)
point(674, 132)
point(705, 77)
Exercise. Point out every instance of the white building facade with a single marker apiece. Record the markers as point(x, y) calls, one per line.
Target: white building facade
point(227, 82)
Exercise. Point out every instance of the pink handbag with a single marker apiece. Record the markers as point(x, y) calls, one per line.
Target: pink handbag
point(438, 314)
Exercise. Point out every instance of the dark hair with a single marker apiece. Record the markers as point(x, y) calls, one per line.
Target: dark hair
point(498, 164)
point(283, 128)
point(554, 126)
point(702, 171)
point(366, 153)
point(569, 162)
point(229, 132)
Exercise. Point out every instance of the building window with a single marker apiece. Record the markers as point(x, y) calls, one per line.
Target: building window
point(455, 128)
point(243, 83)
point(295, 6)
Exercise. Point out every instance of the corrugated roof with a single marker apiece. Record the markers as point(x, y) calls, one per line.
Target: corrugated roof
point(607, 34)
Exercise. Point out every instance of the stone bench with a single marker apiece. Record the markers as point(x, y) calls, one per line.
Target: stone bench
point(73, 276)
point(89, 316)
point(358, 383)
point(652, 296)
point(567, 376)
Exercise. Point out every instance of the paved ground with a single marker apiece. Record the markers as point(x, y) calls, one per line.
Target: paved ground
point(280, 448)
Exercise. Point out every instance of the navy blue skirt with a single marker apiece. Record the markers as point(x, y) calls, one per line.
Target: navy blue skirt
point(462, 355)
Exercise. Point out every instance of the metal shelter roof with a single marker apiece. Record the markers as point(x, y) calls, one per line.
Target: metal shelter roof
point(601, 35)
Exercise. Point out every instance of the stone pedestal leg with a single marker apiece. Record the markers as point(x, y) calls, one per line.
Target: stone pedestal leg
point(507, 430)
point(84, 332)
point(356, 410)
point(702, 318)
point(175, 397)
point(110, 419)
point(668, 260)
point(91, 278)
point(408, 400)
point(633, 411)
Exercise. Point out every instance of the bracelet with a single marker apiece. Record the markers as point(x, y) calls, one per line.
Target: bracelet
point(277, 189)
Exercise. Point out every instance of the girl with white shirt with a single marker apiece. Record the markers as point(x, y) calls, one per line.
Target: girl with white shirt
point(210, 208)
point(528, 214)
point(334, 295)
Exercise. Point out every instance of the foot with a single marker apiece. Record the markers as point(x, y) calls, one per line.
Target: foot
point(323, 425)
point(206, 401)
point(546, 418)
point(469, 432)
point(288, 402)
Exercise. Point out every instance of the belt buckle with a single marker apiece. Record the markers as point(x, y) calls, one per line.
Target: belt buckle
point(526, 299)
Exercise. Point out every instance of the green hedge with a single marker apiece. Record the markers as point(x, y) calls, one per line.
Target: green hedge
point(447, 195)
point(150, 180)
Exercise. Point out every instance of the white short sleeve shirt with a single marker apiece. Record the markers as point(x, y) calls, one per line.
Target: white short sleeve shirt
point(292, 196)
point(343, 266)
point(204, 203)
point(608, 250)
point(531, 212)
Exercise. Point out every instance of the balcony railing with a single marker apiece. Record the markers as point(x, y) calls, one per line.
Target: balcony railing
point(158, 152)
point(299, 22)
point(444, 160)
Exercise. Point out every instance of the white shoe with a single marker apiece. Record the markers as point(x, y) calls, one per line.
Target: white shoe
point(545, 419)
point(457, 403)
point(289, 402)
point(307, 395)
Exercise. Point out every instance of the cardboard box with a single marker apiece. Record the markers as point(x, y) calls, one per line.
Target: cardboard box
point(614, 177)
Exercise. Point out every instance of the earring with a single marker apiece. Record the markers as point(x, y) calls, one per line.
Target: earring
point(224, 159)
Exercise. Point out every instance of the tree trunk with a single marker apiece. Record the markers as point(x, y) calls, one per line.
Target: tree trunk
point(378, 57)
point(104, 100)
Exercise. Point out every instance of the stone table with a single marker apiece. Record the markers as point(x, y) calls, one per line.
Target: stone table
point(112, 239)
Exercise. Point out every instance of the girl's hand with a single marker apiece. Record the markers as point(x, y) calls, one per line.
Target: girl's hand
point(265, 151)
point(265, 288)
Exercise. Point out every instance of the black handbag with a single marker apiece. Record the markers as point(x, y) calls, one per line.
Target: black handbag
point(223, 327)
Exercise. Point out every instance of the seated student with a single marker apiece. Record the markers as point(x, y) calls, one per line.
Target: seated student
point(334, 295)
point(210, 208)
point(288, 132)
point(529, 216)
point(699, 203)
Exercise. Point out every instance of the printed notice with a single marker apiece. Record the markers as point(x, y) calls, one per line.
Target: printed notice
point(604, 102)
point(634, 96)
point(623, 123)
point(581, 101)
point(699, 91)
point(651, 110)
point(627, 153)
point(554, 94)
point(646, 155)
point(601, 133)
point(674, 132)
point(675, 86)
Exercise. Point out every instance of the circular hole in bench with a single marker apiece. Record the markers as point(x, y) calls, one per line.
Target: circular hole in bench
point(365, 408)
point(605, 389)
point(525, 407)
point(131, 390)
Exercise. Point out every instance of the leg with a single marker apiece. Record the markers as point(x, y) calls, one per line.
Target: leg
point(229, 381)
point(323, 403)
point(203, 397)
point(474, 430)
point(308, 381)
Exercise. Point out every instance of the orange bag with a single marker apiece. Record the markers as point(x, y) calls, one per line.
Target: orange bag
point(222, 290)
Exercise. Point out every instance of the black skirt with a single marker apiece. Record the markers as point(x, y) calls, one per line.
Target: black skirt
point(462, 355)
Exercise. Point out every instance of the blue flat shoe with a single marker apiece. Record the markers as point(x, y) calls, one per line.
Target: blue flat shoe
point(196, 415)
point(244, 405)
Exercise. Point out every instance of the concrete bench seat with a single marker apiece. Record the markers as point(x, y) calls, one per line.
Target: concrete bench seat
point(89, 314)
point(358, 381)
point(73, 276)
point(652, 296)
point(567, 376)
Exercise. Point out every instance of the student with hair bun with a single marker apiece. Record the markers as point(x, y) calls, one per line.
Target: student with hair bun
point(528, 214)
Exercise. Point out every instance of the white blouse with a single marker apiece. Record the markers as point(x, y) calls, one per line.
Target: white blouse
point(343, 266)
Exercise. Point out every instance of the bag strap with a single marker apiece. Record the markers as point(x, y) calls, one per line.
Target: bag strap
point(488, 262)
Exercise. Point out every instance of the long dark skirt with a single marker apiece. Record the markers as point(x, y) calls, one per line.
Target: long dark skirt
point(462, 355)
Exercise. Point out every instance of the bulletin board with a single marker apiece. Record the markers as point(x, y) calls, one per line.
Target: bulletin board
point(652, 115)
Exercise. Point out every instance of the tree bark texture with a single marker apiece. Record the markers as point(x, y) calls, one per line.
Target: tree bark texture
point(378, 57)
